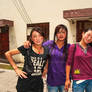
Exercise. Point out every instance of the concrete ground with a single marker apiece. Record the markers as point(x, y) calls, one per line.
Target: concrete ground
point(8, 80)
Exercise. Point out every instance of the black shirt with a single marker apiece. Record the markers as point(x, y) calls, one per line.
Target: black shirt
point(33, 63)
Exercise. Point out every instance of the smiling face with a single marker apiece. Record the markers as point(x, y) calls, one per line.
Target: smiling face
point(61, 35)
point(87, 36)
point(37, 38)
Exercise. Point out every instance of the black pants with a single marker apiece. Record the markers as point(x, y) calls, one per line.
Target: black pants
point(30, 84)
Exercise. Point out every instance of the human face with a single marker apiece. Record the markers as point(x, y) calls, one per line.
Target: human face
point(61, 35)
point(37, 38)
point(87, 37)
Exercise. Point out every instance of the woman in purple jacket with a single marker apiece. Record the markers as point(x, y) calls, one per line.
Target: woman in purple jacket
point(80, 62)
point(57, 59)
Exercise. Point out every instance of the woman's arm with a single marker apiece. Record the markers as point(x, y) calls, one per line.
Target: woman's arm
point(70, 60)
point(27, 44)
point(67, 82)
point(9, 55)
point(45, 70)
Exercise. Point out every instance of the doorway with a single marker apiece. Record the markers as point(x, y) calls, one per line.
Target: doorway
point(4, 40)
point(82, 25)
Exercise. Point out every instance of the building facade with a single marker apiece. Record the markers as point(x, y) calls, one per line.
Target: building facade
point(25, 14)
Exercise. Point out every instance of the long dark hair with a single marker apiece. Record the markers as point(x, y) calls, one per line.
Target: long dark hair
point(37, 29)
point(63, 27)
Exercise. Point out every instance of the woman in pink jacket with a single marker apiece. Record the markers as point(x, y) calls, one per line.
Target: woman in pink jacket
point(80, 63)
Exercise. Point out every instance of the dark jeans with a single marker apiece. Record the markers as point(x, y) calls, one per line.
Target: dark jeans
point(80, 87)
point(56, 88)
point(30, 84)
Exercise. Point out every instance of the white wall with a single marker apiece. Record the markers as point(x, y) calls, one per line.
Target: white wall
point(17, 34)
point(40, 11)
point(52, 11)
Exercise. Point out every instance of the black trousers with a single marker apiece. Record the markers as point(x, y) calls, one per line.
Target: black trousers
point(30, 84)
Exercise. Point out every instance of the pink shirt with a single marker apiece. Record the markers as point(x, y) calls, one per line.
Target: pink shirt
point(81, 66)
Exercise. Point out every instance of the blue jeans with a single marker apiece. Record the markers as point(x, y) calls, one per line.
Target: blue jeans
point(80, 87)
point(56, 88)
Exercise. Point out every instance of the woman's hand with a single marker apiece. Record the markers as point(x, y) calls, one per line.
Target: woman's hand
point(21, 73)
point(67, 85)
point(27, 44)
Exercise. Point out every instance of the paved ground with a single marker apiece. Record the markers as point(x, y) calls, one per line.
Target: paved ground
point(8, 80)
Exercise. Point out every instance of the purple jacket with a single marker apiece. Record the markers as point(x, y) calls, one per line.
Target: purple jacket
point(56, 68)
